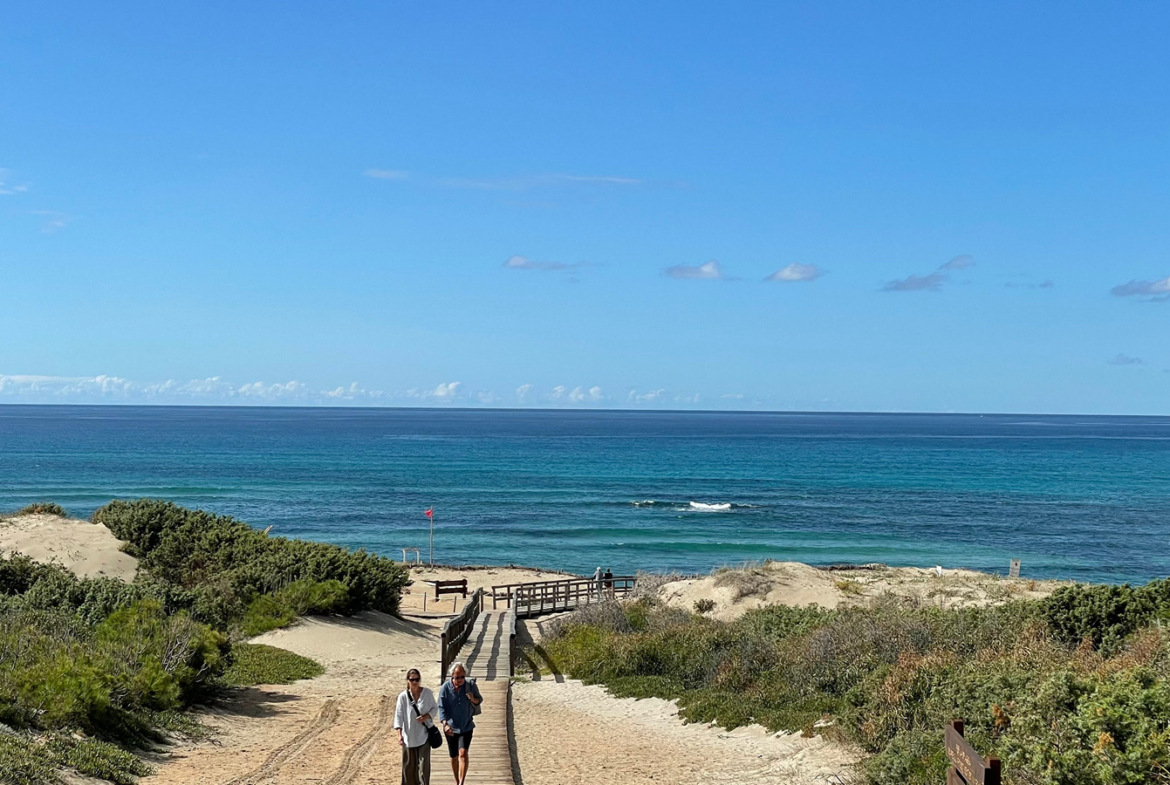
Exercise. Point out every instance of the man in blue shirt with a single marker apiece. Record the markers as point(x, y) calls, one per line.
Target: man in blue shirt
point(456, 698)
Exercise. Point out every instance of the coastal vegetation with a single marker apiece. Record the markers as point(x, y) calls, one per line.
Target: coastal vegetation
point(43, 508)
point(92, 669)
point(1074, 688)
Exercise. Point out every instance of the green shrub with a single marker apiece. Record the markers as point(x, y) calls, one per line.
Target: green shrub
point(704, 605)
point(1105, 615)
point(43, 508)
point(215, 566)
point(96, 758)
point(51, 587)
point(300, 598)
point(159, 661)
point(256, 663)
point(23, 762)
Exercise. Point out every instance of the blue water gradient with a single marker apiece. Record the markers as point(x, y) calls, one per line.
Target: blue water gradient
point(1073, 497)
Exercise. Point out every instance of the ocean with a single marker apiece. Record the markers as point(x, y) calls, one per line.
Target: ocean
point(1077, 497)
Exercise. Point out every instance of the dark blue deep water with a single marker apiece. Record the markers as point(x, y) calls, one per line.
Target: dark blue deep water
point(1073, 497)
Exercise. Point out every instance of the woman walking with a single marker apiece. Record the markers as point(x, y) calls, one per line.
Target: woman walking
point(413, 714)
point(456, 697)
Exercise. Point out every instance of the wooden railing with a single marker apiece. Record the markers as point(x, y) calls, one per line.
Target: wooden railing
point(511, 641)
point(535, 597)
point(455, 632)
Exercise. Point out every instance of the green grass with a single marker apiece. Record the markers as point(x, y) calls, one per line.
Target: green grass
point(256, 663)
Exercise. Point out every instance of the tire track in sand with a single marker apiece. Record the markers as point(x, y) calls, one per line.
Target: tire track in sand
point(359, 754)
point(325, 719)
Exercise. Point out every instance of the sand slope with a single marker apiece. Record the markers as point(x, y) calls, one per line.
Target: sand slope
point(736, 591)
point(568, 733)
point(90, 550)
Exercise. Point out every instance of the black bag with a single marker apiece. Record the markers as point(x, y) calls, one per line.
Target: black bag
point(434, 735)
point(474, 689)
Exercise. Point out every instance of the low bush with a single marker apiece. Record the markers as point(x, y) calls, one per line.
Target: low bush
point(43, 508)
point(23, 761)
point(704, 605)
point(256, 663)
point(96, 758)
point(747, 581)
point(1105, 615)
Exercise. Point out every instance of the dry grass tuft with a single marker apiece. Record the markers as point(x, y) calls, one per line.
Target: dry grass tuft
point(749, 580)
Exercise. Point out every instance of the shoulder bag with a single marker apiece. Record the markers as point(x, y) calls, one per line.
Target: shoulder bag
point(434, 735)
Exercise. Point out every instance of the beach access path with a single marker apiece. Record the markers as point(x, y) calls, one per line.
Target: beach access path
point(486, 654)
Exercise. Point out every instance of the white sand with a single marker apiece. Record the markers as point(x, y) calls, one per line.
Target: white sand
point(90, 550)
point(796, 584)
point(568, 733)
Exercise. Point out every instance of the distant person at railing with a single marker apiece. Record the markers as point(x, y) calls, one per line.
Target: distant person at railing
point(597, 582)
point(457, 699)
point(608, 581)
point(413, 715)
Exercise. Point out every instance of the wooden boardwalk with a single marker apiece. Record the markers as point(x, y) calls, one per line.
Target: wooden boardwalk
point(487, 655)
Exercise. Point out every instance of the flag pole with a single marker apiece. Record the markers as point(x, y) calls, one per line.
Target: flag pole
point(431, 518)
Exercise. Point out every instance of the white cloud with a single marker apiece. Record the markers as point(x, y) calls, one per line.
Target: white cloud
point(653, 395)
point(518, 262)
point(354, 392)
point(1125, 359)
point(7, 188)
point(796, 272)
point(595, 393)
point(212, 390)
point(54, 221)
point(960, 262)
point(1158, 290)
point(529, 182)
point(387, 174)
point(577, 395)
point(445, 391)
point(917, 283)
point(710, 271)
point(558, 392)
point(522, 391)
point(932, 282)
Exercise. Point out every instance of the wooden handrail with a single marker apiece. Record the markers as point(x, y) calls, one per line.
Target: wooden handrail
point(550, 596)
point(455, 632)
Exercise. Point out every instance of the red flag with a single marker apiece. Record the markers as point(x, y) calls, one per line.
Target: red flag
point(430, 512)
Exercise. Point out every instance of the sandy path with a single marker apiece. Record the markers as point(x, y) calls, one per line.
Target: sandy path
point(571, 734)
point(332, 730)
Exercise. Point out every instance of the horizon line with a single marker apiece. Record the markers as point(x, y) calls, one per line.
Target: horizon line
point(574, 410)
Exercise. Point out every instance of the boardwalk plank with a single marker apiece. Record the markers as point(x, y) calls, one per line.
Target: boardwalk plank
point(487, 656)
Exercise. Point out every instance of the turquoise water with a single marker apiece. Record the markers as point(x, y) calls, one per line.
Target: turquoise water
point(1073, 497)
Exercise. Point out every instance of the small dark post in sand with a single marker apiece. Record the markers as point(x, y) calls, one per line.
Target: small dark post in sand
point(969, 767)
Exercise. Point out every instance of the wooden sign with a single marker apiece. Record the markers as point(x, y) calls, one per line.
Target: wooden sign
point(969, 766)
point(1013, 568)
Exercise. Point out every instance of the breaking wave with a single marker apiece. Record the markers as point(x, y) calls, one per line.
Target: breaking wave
point(692, 506)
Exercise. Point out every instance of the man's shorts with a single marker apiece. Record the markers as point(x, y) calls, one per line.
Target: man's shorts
point(460, 741)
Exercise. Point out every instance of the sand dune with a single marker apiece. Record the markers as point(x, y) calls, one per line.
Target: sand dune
point(90, 550)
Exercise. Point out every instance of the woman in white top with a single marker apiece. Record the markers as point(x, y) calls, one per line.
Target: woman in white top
point(412, 715)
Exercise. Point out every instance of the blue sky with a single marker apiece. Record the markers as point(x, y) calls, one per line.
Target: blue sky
point(840, 206)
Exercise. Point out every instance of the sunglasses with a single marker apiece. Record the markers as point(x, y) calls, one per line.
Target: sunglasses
point(414, 679)
point(458, 678)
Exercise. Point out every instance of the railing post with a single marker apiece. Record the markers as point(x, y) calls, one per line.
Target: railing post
point(443, 656)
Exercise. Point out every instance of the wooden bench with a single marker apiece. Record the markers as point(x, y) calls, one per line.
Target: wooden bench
point(449, 587)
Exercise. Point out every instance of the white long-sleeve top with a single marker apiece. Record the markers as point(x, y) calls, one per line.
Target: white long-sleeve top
point(405, 718)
